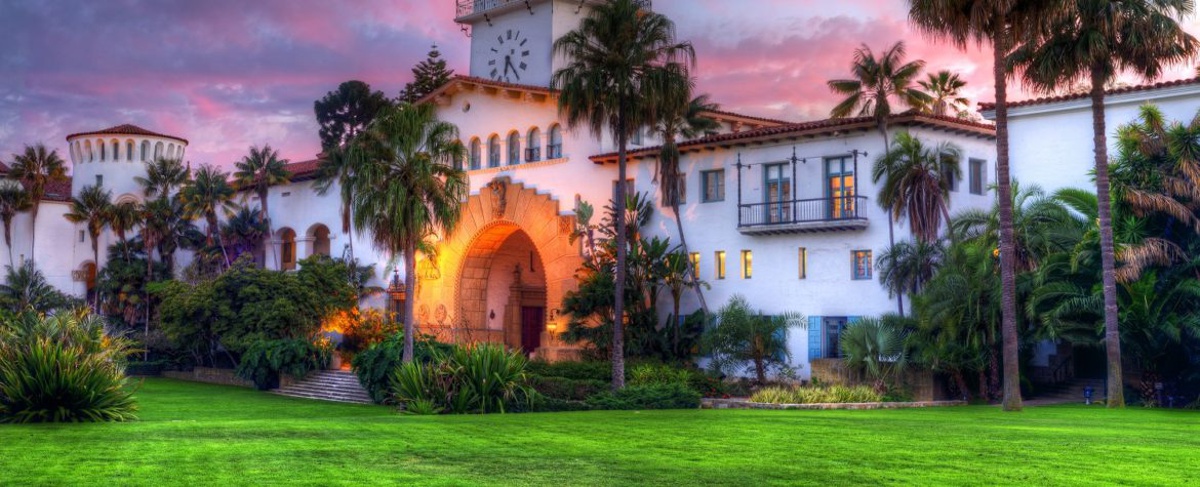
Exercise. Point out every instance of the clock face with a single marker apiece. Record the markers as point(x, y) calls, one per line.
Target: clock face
point(509, 57)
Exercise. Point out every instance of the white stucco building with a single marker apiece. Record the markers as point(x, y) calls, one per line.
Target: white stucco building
point(783, 213)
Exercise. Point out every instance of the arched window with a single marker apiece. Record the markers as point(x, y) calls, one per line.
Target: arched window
point(533, 146)
point(87, 146)
point(320, 240)
point(116, 150)
point(158, 150)
point(170, 151)
point(179, 152)
point(129, 150)
point(514, 148)
point(287, 249)
point(103, 150)
point(476, 154)
point(554, 147)
point(494, 151)
point(79, 151)
point(145, 150)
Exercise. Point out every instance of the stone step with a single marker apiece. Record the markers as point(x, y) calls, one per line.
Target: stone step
point(336, 386)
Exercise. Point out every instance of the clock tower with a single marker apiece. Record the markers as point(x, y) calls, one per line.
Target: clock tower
point(513, 40)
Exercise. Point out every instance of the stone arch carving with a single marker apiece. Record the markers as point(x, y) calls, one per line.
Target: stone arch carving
point(484, 226)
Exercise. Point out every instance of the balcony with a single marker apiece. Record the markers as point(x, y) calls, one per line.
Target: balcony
point(470, 8)
point(533, 154)
point(835, 214)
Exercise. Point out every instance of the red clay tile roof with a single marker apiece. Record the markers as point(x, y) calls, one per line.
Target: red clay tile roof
point(772, 121)
point(127, 129)
point(818, 127)
point(304, 169)
point(1077, 96)
point(56, 190)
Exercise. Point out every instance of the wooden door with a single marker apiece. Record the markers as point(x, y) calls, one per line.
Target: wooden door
point(533, 321)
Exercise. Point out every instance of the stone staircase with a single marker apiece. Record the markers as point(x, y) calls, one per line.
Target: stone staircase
point(328, 385)
point(1071, 392)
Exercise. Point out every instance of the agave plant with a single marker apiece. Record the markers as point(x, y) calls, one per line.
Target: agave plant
point(64, 368)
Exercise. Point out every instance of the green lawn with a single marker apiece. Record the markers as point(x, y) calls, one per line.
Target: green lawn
point(201, 434)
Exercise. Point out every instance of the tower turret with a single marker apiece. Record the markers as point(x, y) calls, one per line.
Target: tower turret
point(115, 156)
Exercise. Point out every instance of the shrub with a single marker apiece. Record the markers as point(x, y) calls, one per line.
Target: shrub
point(662, 396)
point(479, 378)
point(816, 395)
point(567, 389)
point(658, 374)
point(555, 405)
point(742, 340)
point(375, 365)
point(63, 368)
point(598, 371)
point(265, 361)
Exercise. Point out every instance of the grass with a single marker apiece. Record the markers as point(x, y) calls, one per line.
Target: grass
point(198, 434)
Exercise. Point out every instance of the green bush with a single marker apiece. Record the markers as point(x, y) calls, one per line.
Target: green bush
point(266, 361)
point(567, 389)
point(662, 396)
point(555, 405)
point(375, 365)
point(816, 395)
point(598, 371)
point(480, 378)
point(63, 368)
point(658, 374)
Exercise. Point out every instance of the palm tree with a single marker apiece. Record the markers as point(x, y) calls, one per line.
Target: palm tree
point(25, 288)
point(409, 189)
point(257, 172)
point(620, 61)
point(680, 116)
point(870, 92)
point(874, 347)
point(163, 177)
point(206, 193)
point(1095, 40)
point(126, 215)
point(997, 22)
point(36, 168)
point(13, 200)
point(906, 267)
point(915, 183)
point(741, 338)
point(339, 165)
point(93, 208)
point(945, 93)
point(243, 231)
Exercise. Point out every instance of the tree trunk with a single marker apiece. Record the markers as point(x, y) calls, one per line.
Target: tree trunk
point(146, 241)
point(33, 212)
point(1112, 332)
point(8, 241)
point(266, 219)
point(1008, 256)
point(96, 263)
point(891, 223)
point(760, 371)
point(676, 326)
point(618, 343)
point(961, 382)
point(410, 286)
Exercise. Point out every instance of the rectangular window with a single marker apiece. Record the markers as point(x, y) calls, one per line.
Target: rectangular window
point(949, 176)
point(286, 194)
point(777, 187)
point(839, 172)
point(832, 327)
point(747, 264)
point(803, 263)
point(861, 262)
point(713, 185)
point(629, 189)
point(978, 176)
point(99, 180)
point(636, 139)
point(81, 235)
point(694, 257)
point(720, 264)
point(681, 192)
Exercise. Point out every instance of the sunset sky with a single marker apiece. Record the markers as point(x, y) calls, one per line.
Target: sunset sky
point(228, 74)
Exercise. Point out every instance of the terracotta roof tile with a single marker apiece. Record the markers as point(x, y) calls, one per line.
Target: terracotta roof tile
point(462, 79)
point(56, 190)
point(303, 169)
point(750, 117)
point(1078, 96)
point(909, 118)
point(127, 129)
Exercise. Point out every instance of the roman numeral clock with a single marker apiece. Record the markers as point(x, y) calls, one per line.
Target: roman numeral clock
point(509, 57)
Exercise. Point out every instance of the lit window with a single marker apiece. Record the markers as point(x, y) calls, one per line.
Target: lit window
point(695, 259)
point(713, 183)
point(803, 263)
point(720, 264)
point(747, 264)
point(861, 262)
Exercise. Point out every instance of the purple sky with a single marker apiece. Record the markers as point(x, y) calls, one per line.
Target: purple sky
point(228, 74)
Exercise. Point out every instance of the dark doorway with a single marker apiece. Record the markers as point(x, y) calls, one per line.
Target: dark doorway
point(1090, 362)
point(533, 322)
point(833, 327)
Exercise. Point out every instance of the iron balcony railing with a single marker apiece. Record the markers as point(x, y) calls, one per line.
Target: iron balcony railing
point(554, 151)
point(833, 209)
point(533, 154)
point(471, 7)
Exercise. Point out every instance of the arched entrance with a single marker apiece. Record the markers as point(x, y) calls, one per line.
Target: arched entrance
point(504, 272)
point(502, 288)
